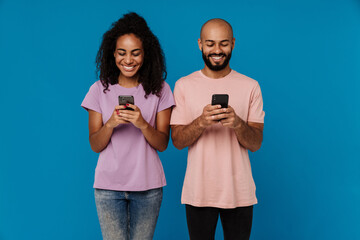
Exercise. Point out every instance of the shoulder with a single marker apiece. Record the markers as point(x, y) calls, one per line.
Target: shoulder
point(165, 87)
point(165, 90)
point(244, 79)
point(188, 79)
point(245, 82)
point(97, 86)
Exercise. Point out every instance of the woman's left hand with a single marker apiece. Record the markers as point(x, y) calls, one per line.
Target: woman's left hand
point(134, 117)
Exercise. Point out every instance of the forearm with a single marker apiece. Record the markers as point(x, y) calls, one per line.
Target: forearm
point(185, 135)
point(155, 138)
point(100, 139)
point(249, 137)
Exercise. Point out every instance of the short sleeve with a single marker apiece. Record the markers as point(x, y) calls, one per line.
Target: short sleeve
point(178, 115)
point(91, 100)
point(256, 113)
point(166, 99)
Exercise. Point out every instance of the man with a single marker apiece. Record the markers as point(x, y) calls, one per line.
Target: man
point(218, 179)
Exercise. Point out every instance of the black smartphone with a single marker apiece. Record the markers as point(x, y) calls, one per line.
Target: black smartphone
point(124, 99)
point(220, 99)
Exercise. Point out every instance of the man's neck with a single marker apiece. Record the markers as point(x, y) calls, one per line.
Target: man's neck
point(216, 74)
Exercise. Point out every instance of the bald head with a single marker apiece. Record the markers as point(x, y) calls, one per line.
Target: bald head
point(216, 43)
point(216, 24)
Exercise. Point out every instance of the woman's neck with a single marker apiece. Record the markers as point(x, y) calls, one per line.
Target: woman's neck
point(128, 82)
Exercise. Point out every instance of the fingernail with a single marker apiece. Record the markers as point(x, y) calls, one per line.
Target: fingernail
point(127, 104)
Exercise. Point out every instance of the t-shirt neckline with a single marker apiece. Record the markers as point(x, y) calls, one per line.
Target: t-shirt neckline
point(132, 90)
point(216, 79)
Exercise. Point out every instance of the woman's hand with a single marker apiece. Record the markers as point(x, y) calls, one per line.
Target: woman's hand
point(134, 117)
point(115, 119)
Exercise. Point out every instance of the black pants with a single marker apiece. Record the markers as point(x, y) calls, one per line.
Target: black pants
point(236, 222)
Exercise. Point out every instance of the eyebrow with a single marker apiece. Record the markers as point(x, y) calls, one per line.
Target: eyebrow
point(212, 41)
point(121, 49)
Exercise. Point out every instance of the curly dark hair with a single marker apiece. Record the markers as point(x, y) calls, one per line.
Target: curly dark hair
point(152, 73)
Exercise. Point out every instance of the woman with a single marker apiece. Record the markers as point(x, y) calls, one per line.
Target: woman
point(129, 176)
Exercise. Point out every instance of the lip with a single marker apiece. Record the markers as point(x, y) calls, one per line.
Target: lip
point(217, 59)
point(128, 68)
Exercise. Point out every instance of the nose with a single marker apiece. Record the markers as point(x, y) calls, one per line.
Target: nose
point(128, 59)
point(217, 49)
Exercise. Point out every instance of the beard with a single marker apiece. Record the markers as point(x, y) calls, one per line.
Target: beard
point(216, 67)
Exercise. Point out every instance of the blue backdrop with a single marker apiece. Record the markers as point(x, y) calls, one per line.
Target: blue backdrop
point(304, 53)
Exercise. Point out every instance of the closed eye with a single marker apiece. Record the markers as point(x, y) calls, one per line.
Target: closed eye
point(136, 52)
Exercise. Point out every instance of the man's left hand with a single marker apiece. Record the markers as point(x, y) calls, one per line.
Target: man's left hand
point(231, 120)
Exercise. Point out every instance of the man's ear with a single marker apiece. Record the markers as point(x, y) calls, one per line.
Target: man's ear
point(200, 44)
point(233, 43)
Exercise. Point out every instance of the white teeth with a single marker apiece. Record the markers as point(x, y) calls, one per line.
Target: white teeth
point(217, 58)
point(128, 68)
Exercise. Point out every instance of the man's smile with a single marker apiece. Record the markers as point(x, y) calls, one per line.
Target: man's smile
point(217, 57)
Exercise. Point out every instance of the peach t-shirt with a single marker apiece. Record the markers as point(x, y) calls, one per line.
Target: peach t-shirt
point(218, 170)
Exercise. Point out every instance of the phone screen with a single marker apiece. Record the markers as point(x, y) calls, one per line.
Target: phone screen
point(220, 99)
point(124, 99)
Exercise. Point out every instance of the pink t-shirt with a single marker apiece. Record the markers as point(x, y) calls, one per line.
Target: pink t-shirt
point(128, 163)
point(218, 170)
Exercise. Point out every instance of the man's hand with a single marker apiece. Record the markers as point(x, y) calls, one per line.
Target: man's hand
point(230, 119)
point(249, 134)
point(185, 135)
point(211, 115)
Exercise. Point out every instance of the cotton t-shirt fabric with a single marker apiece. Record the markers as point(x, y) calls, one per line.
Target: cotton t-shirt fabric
point(218, 170)
point(128, 163)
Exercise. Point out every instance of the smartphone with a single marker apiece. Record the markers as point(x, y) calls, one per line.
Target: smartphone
point(220, 99)
point(124, 99)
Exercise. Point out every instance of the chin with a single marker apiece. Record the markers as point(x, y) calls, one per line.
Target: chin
point(129, 75)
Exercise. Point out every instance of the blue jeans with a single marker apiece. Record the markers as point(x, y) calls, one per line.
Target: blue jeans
point(128, 215)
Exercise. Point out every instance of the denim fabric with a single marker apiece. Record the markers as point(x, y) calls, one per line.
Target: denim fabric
point(128, 215)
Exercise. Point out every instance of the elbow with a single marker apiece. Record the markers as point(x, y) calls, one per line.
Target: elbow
point(93, 145)
point(163, 144)
point(255, 147)
point(175, 139)
point(163, 147)
point(177, 145)
point(175, 142)
point(95, 149)
point(96, 145)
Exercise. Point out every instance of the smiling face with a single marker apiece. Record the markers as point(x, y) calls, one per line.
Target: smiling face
point(129, 55)
point(216, 43)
